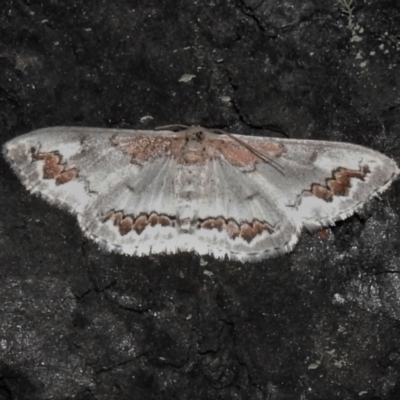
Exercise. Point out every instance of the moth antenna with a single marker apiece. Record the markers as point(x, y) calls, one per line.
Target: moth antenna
point(260, 155)
point(220, 131)
point(173, 127)
point(257, 153)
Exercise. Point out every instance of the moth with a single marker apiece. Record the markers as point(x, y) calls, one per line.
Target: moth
point(142, 192)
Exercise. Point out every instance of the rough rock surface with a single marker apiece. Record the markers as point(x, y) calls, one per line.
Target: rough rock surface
point(320, 323)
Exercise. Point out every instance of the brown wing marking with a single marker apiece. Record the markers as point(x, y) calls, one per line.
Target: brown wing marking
point(143, 149)
point(53, 168)
point(240, 156)
point(128, 223)
point(196, 148)
point(339, 184)
point(246, 230)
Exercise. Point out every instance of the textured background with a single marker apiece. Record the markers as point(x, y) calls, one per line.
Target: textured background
point(320, 323)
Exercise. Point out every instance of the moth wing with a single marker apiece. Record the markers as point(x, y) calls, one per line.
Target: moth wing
point(137, 215)
point(122, 185)
point(80, 169)
point(321, 181)
point(43, 157)
point(241, 219)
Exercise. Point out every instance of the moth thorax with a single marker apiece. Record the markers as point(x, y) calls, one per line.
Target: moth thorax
point(193, 152)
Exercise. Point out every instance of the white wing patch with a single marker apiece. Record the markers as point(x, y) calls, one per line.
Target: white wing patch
point(148, 192)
